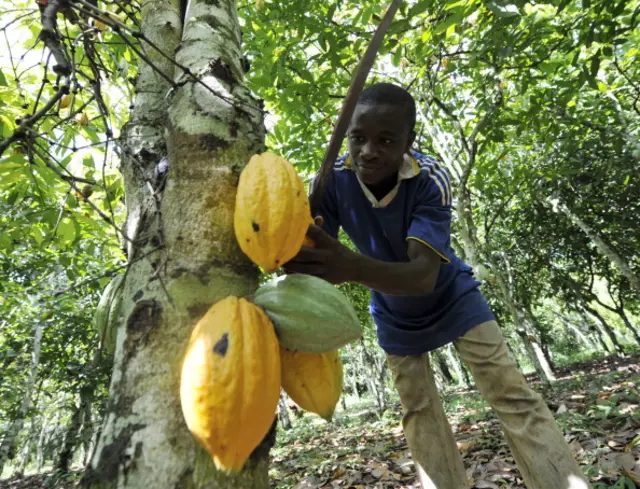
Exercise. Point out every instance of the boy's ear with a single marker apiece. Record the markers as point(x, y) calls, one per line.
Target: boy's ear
point(411, 140)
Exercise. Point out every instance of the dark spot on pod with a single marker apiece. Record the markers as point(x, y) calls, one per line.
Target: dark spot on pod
point(277, 262)
point(298, 194)
point(222, 345)
point(248, 240)
point(256, 226)
point(138, 295)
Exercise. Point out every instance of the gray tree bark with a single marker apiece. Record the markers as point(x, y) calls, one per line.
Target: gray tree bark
point(283, 412)
point(181, 245)
point(462, 375)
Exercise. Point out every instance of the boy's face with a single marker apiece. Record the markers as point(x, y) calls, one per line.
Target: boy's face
point(379, 136)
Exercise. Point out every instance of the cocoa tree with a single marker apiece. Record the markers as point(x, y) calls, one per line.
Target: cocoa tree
point(193, 115)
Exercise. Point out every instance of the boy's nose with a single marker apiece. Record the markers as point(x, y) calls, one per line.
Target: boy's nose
point(368, 152)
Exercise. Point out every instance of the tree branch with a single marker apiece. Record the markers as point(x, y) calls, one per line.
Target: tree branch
point(49, 36)
point(27, 123)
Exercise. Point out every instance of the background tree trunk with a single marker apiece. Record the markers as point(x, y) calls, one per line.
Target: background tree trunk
point(463, 378)
point(8, 445)
point(606, 327)
point(375, 366)
point(283, 412)
point(70, 440)
point(26, 451)
point(439, 361)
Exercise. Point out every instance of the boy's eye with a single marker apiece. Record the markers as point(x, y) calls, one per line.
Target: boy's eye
point(357, 139)
point(387, 141)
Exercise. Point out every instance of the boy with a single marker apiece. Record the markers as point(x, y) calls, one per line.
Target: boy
point(395, 205)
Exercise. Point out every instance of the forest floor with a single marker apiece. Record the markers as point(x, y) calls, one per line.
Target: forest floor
point(596, 403)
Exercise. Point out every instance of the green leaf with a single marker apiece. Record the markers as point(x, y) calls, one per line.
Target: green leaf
point(455, 18)
point(562, 6)
point(502, 8)
point(3, 80)
point(67, 230)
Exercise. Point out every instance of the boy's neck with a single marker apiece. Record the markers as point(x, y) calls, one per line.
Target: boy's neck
point(381, 189)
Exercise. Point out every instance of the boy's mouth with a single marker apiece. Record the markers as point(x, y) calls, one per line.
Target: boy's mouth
point(369, 165)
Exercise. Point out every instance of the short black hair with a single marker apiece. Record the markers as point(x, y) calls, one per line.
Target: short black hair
point(388, 93)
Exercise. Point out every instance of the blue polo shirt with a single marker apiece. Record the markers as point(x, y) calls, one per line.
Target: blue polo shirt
point(419, 208)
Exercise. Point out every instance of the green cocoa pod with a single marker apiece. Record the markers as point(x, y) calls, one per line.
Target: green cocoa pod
point(309, 314)
point(107, 313)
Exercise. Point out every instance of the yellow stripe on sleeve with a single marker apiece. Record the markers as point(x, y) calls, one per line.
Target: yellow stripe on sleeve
point(442, 257)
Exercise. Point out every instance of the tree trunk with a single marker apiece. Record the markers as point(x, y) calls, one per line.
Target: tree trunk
point(536, 356)
point(464, 380)
point(595, 330)
point(26, 452)
point(375, 375)
point(512, 352)
point(601, 245)
point(183, 227)
point(438, 359)
point(586, 341)
point(627, 322)
point(576, 331)
point(524, 322)
point(72, 436)
point(70, 440)
point(607, 328)
point(283, 413)
point(86, 436)
point(41, 442)
point(8, 444)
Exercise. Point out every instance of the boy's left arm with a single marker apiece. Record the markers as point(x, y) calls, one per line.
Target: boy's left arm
point(336, 263)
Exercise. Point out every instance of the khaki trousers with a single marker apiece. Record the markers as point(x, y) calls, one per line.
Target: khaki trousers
point(538, 447)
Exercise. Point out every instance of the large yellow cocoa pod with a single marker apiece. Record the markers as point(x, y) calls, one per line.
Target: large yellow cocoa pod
point(230, 382)
point(272, 211)
point(312, 380)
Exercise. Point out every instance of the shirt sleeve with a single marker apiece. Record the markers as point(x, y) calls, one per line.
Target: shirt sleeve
point(431, 212)
point(328, 207)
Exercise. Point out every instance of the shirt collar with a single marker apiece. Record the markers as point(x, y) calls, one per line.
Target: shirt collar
point(408, 169)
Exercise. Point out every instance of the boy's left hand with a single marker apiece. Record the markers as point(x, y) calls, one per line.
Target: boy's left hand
point(329, 260)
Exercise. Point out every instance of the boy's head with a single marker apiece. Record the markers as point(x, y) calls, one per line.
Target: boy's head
point(381, 131)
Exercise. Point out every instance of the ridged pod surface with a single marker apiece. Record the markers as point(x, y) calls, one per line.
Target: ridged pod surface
point(312, 380)
point(309, 313)
point(272, 211)
point(230, 382)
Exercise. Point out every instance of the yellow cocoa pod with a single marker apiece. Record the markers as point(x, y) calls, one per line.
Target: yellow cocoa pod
point(272, 211)
point(230, 381)
point(312, 380)
point(82, 119)
point(65, 101)
point(101, 26)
